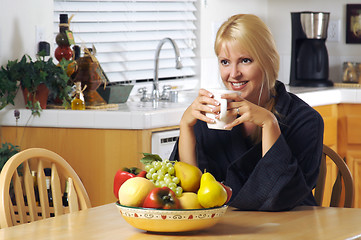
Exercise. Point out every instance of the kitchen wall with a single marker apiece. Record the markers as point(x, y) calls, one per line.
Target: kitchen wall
point(278, 18)
point(20, 20)
point(212, 14)
point(276, 13)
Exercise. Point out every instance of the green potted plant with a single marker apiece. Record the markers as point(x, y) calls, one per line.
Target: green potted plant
point(8, 87)
point(7, 150)
point(34, 77)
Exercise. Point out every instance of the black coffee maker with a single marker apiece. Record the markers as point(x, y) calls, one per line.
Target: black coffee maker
point(309, 56)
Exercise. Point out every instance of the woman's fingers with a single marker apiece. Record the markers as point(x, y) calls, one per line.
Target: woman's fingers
point(248, 112)
point(204, 103)
point(234, 97)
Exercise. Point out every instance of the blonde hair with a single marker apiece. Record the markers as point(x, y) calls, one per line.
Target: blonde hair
point(250, 33)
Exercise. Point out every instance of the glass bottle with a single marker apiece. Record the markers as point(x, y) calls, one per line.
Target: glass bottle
point(87, 74)
point(74, 65)
point(47, 172)
point(63, 50)
point(78, 101)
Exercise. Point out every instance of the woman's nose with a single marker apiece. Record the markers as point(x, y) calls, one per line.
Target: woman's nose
point(236, 72)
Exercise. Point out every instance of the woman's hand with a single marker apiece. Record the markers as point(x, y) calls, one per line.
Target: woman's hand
point(247, 112)
point(204, 103)
point(252, 113)
point(187, 142)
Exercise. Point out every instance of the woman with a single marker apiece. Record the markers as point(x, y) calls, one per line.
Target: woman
point(271, 155)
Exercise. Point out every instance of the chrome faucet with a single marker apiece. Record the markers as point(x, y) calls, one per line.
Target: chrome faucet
point(155, 92)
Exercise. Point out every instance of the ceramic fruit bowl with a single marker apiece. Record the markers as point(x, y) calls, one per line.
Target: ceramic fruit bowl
point(173, 220)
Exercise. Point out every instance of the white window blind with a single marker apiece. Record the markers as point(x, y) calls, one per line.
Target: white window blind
point(126, 33)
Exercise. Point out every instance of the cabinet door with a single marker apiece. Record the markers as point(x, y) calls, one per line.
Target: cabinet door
point(95, 154)
point(354, 162)
point(329, 116)
point(353, 130)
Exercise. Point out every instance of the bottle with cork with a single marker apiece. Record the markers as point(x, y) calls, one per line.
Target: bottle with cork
point(64, 39)
point(78, 101)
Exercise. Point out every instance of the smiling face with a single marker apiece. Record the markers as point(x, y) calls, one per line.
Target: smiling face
point(247, 57)
point(241, 72)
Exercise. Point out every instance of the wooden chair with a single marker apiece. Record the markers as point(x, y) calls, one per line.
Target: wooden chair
point(18, 203)
point(344, 178)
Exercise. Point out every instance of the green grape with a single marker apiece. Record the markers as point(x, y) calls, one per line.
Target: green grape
point(175, 180)
point(167, 179)
point(157, 183)
point(152, 170)
point(178, 191)
point(164, 168)
point(160, 176)
point(155, 176)
point(172, 185)
point(149, 175)
point(158, 165)
point(161, 172)
point(155, 164)
point(172, 188)
point(162, 184)
point(171, 170)
point(147, 167)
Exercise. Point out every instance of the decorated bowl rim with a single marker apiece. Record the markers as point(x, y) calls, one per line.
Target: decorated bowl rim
point(169, 210)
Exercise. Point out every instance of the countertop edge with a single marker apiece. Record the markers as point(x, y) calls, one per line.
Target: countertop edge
point(150, 119)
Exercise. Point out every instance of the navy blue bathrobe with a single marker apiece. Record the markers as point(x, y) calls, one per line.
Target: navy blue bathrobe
point(284, 177)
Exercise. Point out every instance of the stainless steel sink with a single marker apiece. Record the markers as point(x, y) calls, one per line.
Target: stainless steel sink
point(185, 98)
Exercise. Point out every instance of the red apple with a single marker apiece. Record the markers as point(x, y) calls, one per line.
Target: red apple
point(229, 192)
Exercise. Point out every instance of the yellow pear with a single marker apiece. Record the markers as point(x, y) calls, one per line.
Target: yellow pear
point(189, 200)
point(211, 193)
point(189, 176)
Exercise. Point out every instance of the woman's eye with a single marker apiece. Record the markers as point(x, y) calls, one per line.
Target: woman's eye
point(224, 62)
point(246, 60)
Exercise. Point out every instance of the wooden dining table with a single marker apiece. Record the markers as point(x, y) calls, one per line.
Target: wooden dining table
point(106, 222)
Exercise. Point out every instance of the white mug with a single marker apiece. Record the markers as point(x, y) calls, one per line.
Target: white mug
point(225, 117)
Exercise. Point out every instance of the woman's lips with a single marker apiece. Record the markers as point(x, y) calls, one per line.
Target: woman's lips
point(238, 85)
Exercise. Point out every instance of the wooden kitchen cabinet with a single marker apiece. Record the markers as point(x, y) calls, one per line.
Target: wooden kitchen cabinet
point(95, 154)
point(343, 134)
point(329, 114)
point(349, 144)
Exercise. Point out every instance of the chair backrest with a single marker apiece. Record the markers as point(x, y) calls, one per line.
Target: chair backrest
point(24, 195)
point(344, 178)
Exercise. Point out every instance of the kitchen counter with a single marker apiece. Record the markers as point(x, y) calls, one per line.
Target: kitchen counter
point(138, 115)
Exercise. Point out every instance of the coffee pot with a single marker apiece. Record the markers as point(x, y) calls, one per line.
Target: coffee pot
point(309, 56)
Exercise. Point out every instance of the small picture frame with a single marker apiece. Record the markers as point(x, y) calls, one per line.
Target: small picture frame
point(353, 23)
